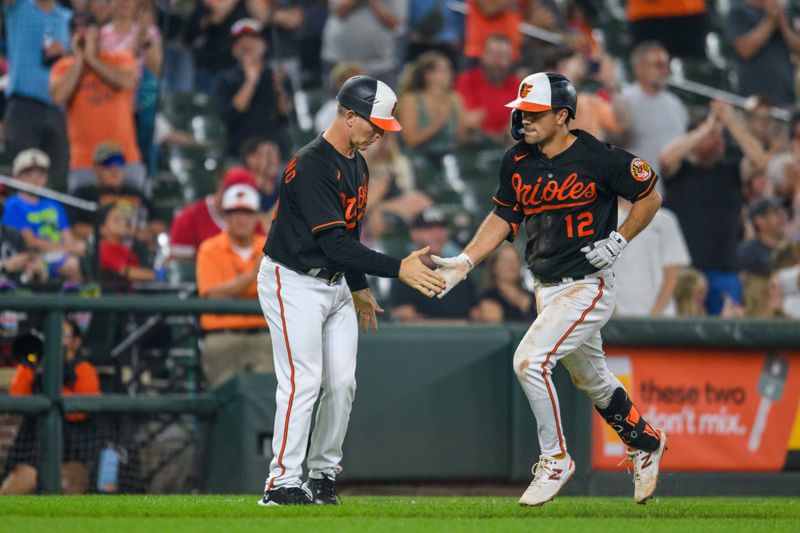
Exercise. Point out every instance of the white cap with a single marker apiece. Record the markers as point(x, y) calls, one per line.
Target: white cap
point(240, 197)
point(30, 158)
point(246, 26)
point(534, 94)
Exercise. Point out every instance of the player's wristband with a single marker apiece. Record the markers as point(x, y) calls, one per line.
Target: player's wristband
point(467, 259)
point(617, 236)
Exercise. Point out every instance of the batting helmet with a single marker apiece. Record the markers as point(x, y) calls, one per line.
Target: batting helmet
point(541, 92)
point(546, 90)
point(371, 99)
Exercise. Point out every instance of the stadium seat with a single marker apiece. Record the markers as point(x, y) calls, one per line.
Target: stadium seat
point(197, 169)
point(169, 196)
point(179, 108)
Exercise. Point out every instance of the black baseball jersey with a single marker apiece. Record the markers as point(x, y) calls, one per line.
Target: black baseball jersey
point(569, 201)
point(321, 189)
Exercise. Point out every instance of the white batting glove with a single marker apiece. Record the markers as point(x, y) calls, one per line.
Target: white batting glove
point(605, 252)
point(453, 270)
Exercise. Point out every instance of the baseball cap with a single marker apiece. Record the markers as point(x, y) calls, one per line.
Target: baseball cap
point(371, 99)
point(544, 91)
point(108, 153)
point(241, 196)
point(238, 176)
point(247, 26)
point(764, 205)
point(30, 158)
point(429, 218)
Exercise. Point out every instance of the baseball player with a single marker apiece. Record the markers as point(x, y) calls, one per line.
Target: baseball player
point(313, 291)
point(563, 185)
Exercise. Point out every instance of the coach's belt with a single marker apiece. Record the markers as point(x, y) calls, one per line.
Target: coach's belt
point(325, 274)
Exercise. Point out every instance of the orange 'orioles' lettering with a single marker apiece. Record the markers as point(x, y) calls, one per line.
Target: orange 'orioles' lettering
point(290, 172)
point(354, 207)
point(548, 195)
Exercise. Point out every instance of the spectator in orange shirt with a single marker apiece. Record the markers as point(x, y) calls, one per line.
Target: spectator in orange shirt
point(680, 25)
point(96, 87)
point(80, 377)
point(489, 17)
point(227, 266)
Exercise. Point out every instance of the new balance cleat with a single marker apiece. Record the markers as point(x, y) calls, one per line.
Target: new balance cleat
point(645, 469)
point(549, 476)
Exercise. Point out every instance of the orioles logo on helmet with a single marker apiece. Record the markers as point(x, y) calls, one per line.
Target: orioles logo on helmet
point(524, 89)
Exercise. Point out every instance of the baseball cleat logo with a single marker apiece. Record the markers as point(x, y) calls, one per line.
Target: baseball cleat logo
point(524, 89)
point(647, 462)
point(556, 475)
point(640, 170)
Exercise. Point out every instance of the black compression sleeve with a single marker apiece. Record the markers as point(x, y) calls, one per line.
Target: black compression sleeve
point(356, 280)
point(345, 250)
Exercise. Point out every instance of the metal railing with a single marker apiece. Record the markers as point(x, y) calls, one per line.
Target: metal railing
point(733, 333)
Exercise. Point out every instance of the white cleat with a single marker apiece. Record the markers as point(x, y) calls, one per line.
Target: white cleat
point(549, 475)
point(645, 469)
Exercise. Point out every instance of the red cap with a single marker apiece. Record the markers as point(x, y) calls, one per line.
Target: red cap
point(236, 176)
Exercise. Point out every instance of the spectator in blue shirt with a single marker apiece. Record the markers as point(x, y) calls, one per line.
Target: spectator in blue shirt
point(41, 221)
point(37, 34)
point(432, 25)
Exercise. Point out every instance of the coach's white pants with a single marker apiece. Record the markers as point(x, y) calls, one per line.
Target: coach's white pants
point(314, 339)
point(567, 330)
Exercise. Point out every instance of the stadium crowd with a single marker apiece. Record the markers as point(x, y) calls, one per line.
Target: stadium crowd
point(114, 101)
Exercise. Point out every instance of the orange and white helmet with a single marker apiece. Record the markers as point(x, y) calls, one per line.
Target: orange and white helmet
point(544, 91)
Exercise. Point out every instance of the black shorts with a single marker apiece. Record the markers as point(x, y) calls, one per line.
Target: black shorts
point(80, 444)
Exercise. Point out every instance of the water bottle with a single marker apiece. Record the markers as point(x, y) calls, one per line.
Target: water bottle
point(9, 320)
point(108, 471)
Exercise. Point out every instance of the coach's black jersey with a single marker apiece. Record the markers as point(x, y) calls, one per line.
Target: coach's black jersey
point(569, 201)
point(320, 189)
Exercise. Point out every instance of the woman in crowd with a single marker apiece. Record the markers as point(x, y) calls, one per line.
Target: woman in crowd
point(391, 187)
point(433, 116)
point(690, 292)
point(504, 298)
point(132, 28)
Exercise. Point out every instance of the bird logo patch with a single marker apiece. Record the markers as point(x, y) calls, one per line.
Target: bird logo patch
point(525, 89)
point(640, 170)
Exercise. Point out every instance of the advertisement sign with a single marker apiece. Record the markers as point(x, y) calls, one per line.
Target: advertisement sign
point(733, 411)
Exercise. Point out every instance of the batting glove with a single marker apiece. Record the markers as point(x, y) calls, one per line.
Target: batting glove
point(605, 252)
point(453, 270)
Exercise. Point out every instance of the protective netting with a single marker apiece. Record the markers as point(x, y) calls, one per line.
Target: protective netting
point(111, 453)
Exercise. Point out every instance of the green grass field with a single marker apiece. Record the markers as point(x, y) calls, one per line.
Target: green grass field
point(229, 514)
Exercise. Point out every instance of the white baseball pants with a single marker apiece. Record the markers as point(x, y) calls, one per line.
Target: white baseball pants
point(314, 334)
point(567, 329)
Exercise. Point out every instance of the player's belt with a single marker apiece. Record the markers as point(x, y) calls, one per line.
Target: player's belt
point(570, 279)
point(326, 274)
point(558, 281)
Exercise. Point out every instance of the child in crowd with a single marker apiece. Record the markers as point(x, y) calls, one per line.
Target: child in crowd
point(116, 258)
point(41, 221)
